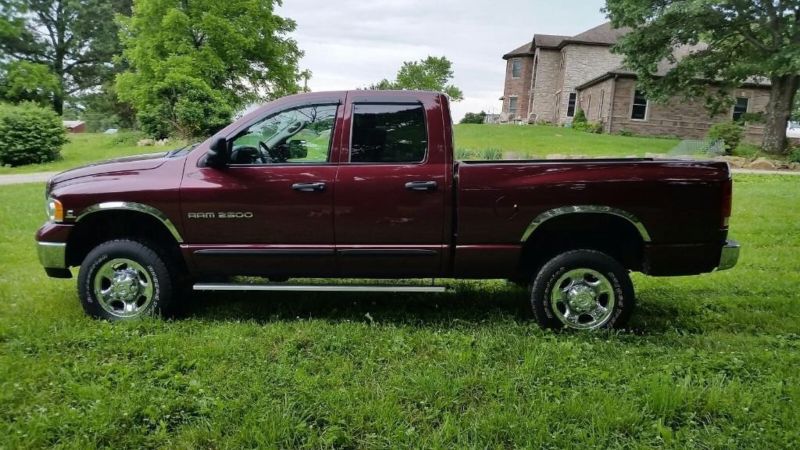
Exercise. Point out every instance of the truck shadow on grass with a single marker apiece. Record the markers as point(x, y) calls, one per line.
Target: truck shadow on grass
point(469, 304)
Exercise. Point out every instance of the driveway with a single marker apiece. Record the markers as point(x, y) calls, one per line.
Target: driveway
point(38, 177)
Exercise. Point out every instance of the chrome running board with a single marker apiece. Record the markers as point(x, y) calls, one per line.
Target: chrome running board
point(317, 287)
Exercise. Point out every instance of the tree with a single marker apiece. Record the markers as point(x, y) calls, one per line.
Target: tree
point(192, 63)
point(75, 39)
point(430, 74)
point(26, 81)
point(474, 117)
point(731, 42)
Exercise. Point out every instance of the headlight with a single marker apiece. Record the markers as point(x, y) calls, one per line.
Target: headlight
point(55, 210)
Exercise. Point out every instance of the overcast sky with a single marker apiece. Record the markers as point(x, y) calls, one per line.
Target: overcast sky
point(350, 44)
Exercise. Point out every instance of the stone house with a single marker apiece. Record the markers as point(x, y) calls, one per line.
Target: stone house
point(550, 78)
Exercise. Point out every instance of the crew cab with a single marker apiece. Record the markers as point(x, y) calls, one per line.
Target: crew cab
point(364, 185)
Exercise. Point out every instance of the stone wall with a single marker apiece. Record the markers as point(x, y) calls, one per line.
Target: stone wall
point(543, 94)
point(581, 64)
point(519, 87)
point(687, 119)
point(595, 101)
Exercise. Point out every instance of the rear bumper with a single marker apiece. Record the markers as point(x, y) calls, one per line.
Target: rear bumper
point(729, 256)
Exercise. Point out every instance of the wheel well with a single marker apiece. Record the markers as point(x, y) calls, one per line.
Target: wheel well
point(608, 233)
point(104, 226)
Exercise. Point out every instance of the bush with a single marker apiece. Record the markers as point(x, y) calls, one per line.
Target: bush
point(30, 134)
point(580, 118)
point(492, 154)
point(794, 154)
point(589, 127)
point(625, 133)
point(729, 132)
point(477, 118)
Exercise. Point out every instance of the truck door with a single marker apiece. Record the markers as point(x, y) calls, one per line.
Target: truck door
point(270, 212)
point(390, 189)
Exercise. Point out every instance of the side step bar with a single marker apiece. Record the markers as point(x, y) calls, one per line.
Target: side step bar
point(316, 287)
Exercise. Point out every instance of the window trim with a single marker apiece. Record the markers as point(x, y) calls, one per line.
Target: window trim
point(746, 109)
point(646, 107)
point(424, 161)
point(515, 113)
point(328, 162)
point(516, 60)
point(572, 98)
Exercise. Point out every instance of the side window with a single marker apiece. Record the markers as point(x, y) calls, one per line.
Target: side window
point(388, 133)
point(639, 110)
point(516, 68)
point(295, 136)
point(573, 99)
point(740, 108)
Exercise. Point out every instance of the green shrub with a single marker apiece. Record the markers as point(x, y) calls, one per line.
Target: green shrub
point(463, 154)
point(794, 154)
point(492, 154)
point(589, 127)
point(476, 118)
point(729, 132)
point(625, 133)
point(580, 118)
point(30, 134)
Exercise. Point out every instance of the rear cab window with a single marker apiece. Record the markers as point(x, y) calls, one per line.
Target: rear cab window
point(388, 134)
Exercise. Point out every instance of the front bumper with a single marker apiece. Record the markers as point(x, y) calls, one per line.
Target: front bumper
point(53, 257)
point(729, 256)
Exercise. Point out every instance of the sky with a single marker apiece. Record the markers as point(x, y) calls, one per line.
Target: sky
point(351, 44)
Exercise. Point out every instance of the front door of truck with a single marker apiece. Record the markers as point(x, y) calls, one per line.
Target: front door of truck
point(270, 212)
point(390, 193)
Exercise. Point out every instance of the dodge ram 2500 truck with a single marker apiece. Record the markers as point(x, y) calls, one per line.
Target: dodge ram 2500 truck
point(364, 184)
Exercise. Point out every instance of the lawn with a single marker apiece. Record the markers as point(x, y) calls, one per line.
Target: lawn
point(90, 147)
point(472, 141)
point(539, 141)
point(712, 361)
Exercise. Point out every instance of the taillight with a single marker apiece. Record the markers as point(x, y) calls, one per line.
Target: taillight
point(727, 201)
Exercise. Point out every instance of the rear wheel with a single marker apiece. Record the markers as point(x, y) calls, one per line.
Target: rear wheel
point(125, 280)
point(582, 290)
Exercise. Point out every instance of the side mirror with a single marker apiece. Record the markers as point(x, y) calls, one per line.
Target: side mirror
point(217, 155)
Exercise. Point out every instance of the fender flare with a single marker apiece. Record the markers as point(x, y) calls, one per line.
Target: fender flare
point(135, 207)
point(585, 209)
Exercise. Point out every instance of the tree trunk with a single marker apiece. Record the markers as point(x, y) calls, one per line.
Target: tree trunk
point(779, 110)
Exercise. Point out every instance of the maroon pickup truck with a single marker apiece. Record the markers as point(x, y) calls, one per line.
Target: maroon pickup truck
point(364, 184)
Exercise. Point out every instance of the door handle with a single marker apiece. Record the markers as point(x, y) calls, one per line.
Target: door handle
point(309, 187)
point(422, 185)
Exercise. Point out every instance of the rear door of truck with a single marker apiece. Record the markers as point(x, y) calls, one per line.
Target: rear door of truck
point(392, 186)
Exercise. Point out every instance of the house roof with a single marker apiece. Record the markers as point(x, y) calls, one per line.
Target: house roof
point(522, 50)
point(72, 123)
point(605, 35)
point(548, 40)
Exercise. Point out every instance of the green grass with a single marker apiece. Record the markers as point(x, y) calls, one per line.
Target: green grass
point(472, 141)
point(91, 147)
point(712, 361)
point(540, 141)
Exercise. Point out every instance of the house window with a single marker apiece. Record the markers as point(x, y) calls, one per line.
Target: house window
point(639, 110)
point(512, 106)
point(516, 68)
point(573, 98)
point(740, 108)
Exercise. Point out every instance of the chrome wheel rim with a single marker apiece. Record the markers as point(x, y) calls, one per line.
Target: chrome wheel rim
point(583, 299)
point(123, 288)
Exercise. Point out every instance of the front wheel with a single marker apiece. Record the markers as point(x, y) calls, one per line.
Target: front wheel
point(583, 290)
point(125, 280)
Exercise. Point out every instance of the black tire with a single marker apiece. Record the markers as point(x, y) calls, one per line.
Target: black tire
point(153, 271)
point(565, 269)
